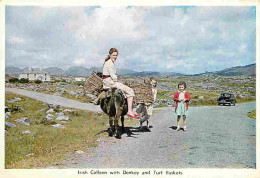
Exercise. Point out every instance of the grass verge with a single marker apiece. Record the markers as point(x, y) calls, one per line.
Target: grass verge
point(46, 143)
point(252, 114)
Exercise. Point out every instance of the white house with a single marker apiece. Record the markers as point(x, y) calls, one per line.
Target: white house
point(80, 79)
point(35, 74)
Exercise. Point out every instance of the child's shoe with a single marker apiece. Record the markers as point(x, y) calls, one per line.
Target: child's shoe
point(178, 128)
point(184, 128)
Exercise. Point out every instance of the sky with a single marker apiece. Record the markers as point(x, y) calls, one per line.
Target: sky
point(181, 39)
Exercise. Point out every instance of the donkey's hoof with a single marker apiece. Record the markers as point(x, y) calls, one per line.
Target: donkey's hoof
point(118, 136)
point(110, 133)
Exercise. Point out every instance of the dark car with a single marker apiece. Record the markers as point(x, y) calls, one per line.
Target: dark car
point(226, 98)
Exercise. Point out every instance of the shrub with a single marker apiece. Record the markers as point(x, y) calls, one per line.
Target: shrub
point(24, 80)
point(13, 80)
point(38, 81)
point(80, 83)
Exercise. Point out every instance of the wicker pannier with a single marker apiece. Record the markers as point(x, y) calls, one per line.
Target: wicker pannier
point(143, 92)
point(94, 83)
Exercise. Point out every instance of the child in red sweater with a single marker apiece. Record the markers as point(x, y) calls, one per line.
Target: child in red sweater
point(181, 98)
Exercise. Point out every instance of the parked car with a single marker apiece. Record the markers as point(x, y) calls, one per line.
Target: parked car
point(226, 98)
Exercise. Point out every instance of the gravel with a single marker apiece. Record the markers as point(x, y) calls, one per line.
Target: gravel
point(216, 137)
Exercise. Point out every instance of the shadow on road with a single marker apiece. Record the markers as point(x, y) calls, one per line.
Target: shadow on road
point(175, 128)
point(130, 131)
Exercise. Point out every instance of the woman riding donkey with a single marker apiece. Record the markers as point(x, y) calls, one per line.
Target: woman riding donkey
point(110, 81)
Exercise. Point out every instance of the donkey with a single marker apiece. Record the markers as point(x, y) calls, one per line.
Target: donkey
point(115, 106)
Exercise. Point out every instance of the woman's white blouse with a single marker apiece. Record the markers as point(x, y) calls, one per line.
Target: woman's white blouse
point(109, 69)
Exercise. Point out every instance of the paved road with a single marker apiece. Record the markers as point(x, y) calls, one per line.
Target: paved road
point(53, 99)
point(217, 137)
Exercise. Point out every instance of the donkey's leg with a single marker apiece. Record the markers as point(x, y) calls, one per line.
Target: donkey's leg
point(111, 127)
point(118, 114)
point(122, 122)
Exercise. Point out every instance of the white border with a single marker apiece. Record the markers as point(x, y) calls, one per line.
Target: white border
point(199, 172)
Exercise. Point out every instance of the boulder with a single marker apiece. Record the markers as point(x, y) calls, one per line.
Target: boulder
point(79, 152)
point(7, 109)
point(23, 120)
point(201, 97)
point(15, 99)
point(30, 154)
point(62, 118)
point(72, 93)
point(59, 114)
point(50, 110)
point(53, 106)
point(49, 117)
point(7, 117)
point(9, 124)
point(62, 91)
point(26, 132)
point(58, 126)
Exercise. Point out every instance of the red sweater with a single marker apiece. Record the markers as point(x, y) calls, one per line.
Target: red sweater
point(176, 98)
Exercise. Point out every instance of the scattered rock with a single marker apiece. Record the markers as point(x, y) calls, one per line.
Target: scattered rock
point(23, 120)
point(68, 110)
point(30, 154)
point(62, 118)
point(201, 97)
point(65, 122)
point(58, 126)
point(62, 91)
point(16, 109)
point(49, 117)
point(26, 132)
point(15, 99)
point(72, 93)
point(41, 110)
point(53, 106)
point(50, 110)
point(79, 152)
point(7, 117)
point(9, 124)
point(59, 114)
point(8, 114)
point(7, 110)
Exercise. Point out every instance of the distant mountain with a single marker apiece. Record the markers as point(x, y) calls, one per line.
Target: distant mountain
point(13, 70)
point(248, 70)
point(154, 74)
point(55, 71)
point(78, 71)
point(145, 74)
point(121, 71)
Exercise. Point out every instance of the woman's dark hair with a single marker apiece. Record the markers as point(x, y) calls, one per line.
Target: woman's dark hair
point(182, 83)
point(110, 52)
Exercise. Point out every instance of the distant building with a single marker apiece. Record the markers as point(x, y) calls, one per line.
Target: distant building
point(35, 74)
point(80, 79)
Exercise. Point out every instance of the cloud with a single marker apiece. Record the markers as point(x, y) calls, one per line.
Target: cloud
point(109, 22)
point(177, 39)
point(15, 39)
point(79, 61)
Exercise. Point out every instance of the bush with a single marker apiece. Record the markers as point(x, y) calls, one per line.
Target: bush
point(13, 80)
point(24, 80)
point(80, 83)
point(38, 81)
